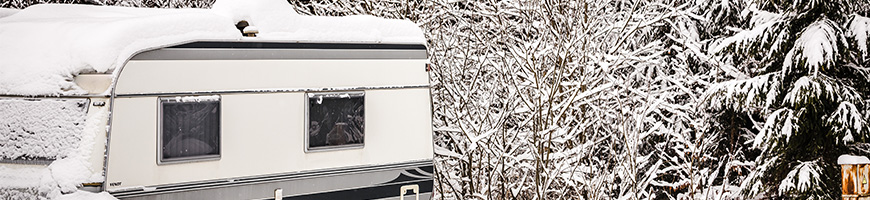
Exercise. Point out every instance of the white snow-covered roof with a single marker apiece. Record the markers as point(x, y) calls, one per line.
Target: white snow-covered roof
point(44, 46)
point(851, 160)
point(4, 12)
point(277, 20)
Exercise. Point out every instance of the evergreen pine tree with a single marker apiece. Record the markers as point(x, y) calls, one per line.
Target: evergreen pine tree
point(803, 95)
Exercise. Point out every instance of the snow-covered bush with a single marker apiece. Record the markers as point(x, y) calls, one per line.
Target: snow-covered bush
point(548, 100)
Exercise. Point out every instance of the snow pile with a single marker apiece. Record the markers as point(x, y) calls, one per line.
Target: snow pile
point(63, 175)
point(5, 12)
point(44, 46)
point(277, 20)
point(40, 129)
point(84, 195)
point(846, 159)
point(265, 13)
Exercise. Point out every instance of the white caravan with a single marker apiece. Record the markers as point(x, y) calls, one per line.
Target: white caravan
point(260, 120)
point(232, 119)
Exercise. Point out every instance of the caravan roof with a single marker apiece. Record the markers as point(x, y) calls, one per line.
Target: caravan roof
point(53, 50)
point(45, 46)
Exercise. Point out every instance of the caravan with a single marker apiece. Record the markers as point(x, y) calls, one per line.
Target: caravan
point(237, 118)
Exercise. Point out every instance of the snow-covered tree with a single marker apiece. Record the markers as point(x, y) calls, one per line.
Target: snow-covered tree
point(799, 75)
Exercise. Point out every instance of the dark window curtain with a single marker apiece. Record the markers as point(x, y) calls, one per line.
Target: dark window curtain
point(336, 120)
point(191, 129)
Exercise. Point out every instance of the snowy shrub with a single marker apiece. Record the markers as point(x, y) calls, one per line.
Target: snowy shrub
point(556, 100)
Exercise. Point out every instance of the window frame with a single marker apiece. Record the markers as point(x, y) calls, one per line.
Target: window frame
point(306, 135)
point(201, 158)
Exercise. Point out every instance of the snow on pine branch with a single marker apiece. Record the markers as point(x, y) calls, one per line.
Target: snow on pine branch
point(815, 87)
point(815, 47)
point(752, 94)
point(779, 126)
point(753, 185)
point(765, 27)
point(859, 27)
point(803, 178)
point(847, 119)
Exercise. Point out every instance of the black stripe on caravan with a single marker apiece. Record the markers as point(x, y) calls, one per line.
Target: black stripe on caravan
point(283, 51)
point(402, 178)
point(286, 45)
point(223, 183)
point(375, 192)
point(429, 169)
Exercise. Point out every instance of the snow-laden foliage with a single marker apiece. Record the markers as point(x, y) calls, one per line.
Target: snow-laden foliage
point(815, 48)
point(859, 28)
point(804, 179)
point(557, 100)
point(803, 98)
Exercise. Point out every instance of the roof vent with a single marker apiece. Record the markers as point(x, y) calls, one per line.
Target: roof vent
point(246, 29)
point(250, 31)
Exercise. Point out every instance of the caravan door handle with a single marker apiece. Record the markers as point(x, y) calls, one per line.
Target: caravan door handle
point(405, 188)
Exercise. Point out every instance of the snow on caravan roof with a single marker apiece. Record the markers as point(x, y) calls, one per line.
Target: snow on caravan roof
point(276, 20)
point(4, 12)
point(44, 46)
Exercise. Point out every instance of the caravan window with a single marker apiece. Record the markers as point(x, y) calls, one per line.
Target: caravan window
point(335, 120)
point(189, 128)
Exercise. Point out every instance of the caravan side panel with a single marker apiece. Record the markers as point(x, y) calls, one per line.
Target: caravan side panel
point(227, 76)
point(263, 129)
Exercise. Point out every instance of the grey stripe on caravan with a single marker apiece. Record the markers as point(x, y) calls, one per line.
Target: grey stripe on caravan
point(258, 187)
point(53, 96)
point(269, 54)
point(27, 162)
point(281, 90)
